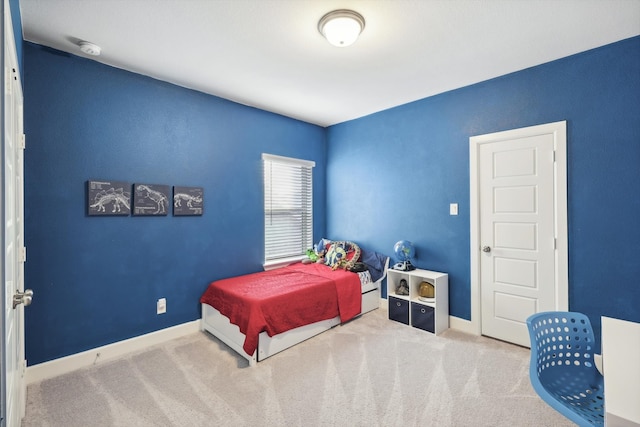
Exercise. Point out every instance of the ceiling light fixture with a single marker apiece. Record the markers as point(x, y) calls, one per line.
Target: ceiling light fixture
point(341, 27)
point(90, 48)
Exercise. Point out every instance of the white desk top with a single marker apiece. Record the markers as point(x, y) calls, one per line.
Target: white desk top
point(621, 366)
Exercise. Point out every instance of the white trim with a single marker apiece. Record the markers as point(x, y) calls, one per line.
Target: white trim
point(559, 131)
point(282, 262)
point(291, 160)
point(562, 227)
point(64, 365)
point(462, 325)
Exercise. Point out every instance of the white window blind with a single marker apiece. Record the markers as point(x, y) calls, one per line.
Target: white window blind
point(288, 207)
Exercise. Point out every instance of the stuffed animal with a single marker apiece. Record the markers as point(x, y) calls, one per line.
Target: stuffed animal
point(339, 254)
point(336, 256)
point(311, 254)
point(320, 249)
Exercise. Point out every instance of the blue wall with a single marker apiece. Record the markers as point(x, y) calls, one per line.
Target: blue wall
point(388, 176)
point(392, 175)
point(96, 279)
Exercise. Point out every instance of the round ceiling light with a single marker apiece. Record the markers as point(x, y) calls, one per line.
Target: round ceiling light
point(90, 48)
point(341, 27)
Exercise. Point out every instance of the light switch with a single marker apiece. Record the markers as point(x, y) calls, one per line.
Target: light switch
point(453, 209)
point(161, 306)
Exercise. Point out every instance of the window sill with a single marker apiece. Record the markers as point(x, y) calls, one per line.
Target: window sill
point(282, 262)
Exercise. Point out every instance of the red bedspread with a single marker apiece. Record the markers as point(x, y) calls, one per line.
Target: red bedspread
point(278, 300)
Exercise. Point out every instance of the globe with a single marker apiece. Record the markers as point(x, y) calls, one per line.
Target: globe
point(404, 250)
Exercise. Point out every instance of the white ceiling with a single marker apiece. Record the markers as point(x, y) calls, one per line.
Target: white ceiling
point(270, 55)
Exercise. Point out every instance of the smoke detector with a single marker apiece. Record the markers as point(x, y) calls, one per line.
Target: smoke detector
point(90, 48)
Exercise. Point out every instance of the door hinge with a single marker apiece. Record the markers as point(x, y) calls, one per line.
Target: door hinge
point(555, 243)
point(554, 156)
point(23, 141)
point(23, 254)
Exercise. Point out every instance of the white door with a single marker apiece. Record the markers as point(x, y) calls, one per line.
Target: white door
point(517, 244)
point(13, 366)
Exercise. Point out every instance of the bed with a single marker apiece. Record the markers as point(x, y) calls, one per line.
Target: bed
point(260, 314)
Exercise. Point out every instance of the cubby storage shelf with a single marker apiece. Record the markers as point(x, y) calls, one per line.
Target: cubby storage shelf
point(431, 315)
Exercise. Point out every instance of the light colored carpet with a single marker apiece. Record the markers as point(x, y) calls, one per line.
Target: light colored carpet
point(368, 372)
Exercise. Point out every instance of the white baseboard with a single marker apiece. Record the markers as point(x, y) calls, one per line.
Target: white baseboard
point(461, 325)
point(63, 365)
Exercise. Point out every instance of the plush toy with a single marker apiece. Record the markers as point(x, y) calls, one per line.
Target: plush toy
point(320, 250)
point(340, 254)
point(336, 256)
point(311, 254)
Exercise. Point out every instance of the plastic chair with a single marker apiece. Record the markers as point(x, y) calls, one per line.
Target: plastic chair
point(562, 369)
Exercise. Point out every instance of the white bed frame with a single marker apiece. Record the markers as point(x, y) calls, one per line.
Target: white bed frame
point(221, 327)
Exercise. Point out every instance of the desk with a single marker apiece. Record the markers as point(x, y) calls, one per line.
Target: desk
point(621, 366)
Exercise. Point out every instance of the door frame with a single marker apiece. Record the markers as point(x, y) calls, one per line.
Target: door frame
point(559, 130)
point(9, 43)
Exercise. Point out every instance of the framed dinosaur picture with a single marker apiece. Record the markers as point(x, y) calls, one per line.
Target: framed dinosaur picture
point(106, 198)
point(188, 201)
point(150, 199)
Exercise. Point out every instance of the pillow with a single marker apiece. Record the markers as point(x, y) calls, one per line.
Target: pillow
point(375, 262)
point(349, 255)
point(336, 255)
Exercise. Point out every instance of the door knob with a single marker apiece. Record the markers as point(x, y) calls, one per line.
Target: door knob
point(486, 249)
point(22, 298)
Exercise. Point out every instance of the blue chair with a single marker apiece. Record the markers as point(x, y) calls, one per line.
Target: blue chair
point(562, 369)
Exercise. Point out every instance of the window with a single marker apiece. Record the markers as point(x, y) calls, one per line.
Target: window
point(288, 208)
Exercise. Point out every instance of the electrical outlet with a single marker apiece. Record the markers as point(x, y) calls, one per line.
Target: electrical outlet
point(453, 209)
point(161, 306)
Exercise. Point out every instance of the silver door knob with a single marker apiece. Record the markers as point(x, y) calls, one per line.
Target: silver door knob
point(22, 298)
point(486, 249)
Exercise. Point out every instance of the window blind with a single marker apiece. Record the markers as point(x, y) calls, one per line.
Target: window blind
point(288, 206)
